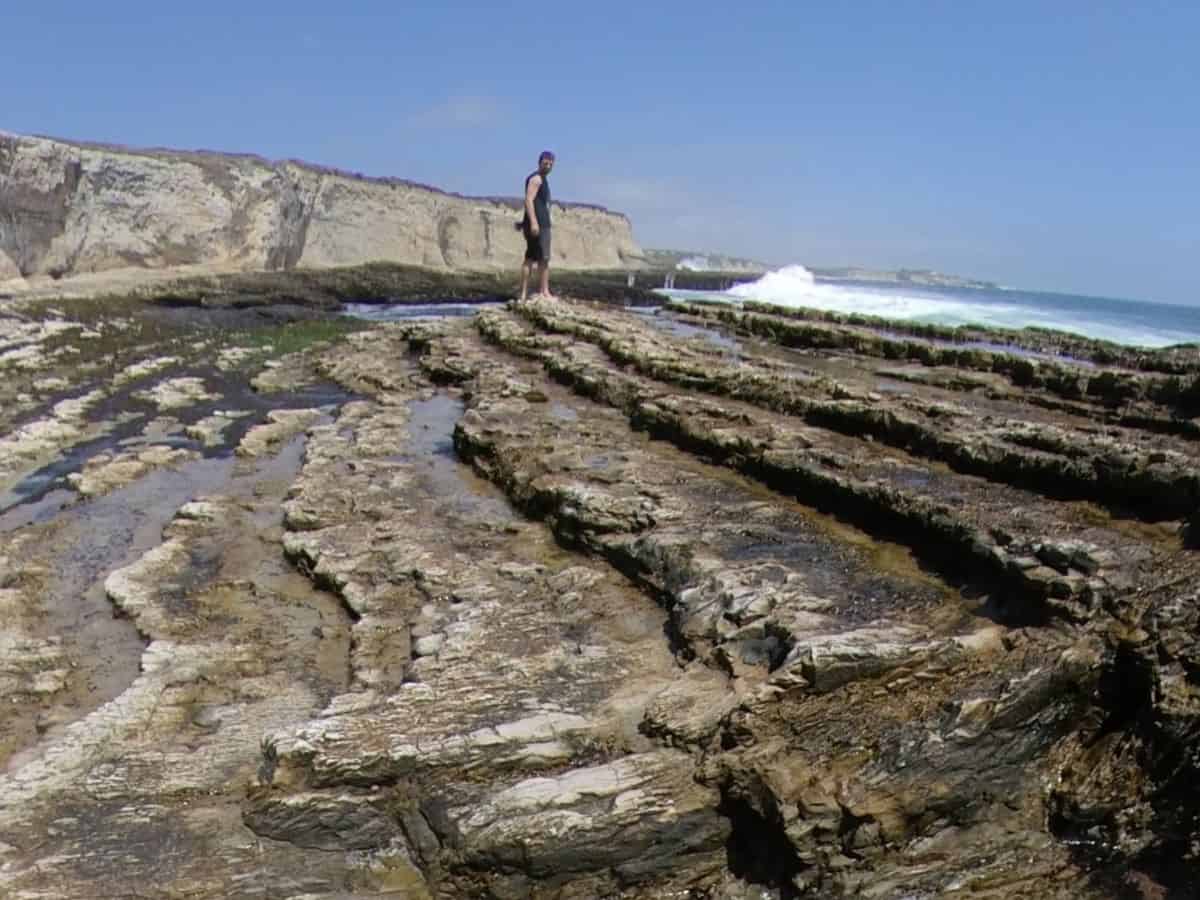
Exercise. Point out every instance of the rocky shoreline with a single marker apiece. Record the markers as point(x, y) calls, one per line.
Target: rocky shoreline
point(588, 599)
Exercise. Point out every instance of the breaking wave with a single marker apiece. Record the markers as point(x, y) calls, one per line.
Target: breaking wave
point(1121, 321)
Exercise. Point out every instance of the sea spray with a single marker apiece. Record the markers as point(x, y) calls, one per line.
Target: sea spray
point(1123, 321)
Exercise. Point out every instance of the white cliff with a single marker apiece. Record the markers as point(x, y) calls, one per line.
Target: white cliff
point(69, 209)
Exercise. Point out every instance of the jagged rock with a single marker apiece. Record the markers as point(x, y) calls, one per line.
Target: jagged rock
point(688, 712)
point(825, 662)
point(324, 821)
point(643, 818)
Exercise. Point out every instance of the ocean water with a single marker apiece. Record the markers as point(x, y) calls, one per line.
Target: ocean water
point(397, 312)
point(1130, 322)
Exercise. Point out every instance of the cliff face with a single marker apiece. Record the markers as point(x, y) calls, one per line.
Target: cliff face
point(68, 209)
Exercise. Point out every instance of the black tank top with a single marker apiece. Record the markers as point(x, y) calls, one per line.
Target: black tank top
point(541, 201)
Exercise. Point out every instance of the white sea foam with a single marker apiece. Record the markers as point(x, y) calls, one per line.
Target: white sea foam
point(778, 286)
point(794, 286)
point(700, 263)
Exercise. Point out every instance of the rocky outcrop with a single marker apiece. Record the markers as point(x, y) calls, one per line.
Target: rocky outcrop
point(563, 601)
point(70, 208)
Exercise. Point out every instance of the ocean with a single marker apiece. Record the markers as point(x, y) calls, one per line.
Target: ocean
point(1129, 322)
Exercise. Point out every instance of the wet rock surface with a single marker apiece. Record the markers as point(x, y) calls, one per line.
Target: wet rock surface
point(567, 601)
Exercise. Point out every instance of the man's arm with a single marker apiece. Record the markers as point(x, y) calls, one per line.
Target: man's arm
point(531, 190)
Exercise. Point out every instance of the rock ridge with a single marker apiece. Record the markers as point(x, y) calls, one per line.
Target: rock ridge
point(569, 601)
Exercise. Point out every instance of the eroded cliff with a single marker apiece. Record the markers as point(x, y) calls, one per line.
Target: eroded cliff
point(68, 209)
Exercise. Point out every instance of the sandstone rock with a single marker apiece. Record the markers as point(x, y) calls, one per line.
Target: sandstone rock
point(26, 664)
point(642, 817)
point(688, 713)
point(613, 656)
point(177, 393)
point(33, 440)
point(825, 662)
point(210, 430)
point(105, 472)
point(281, 426)
point(324, 821)
point(142, 368)
point(89, 208)
point(231, 357)
point(428, 645)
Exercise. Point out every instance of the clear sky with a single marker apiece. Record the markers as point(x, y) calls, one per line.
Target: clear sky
point(1047, 145)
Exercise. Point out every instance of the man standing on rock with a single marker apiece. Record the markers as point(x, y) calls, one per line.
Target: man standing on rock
point(536, 226)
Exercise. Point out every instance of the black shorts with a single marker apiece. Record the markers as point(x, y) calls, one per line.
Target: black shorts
point(537, 246)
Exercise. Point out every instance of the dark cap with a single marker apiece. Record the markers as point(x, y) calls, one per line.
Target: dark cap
point(546, 154)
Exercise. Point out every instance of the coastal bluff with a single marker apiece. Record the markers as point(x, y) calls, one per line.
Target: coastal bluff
point(71, 208)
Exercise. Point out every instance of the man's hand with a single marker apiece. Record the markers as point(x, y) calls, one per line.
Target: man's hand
point(534, 228)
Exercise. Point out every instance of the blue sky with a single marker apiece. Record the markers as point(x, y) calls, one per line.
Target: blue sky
point(1047, 145)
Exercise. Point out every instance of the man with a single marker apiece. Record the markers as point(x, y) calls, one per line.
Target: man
point(536, 226)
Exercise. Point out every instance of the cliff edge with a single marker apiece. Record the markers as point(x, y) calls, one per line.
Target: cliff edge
point(69, 209)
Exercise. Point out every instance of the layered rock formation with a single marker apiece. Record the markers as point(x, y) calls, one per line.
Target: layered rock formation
point(70, 208)
point(563, 601)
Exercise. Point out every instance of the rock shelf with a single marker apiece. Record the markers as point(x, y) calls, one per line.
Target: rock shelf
point(564, 600)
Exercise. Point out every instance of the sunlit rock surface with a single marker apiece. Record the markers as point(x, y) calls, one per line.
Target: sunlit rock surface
point(80, 208)
point(562, 601)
